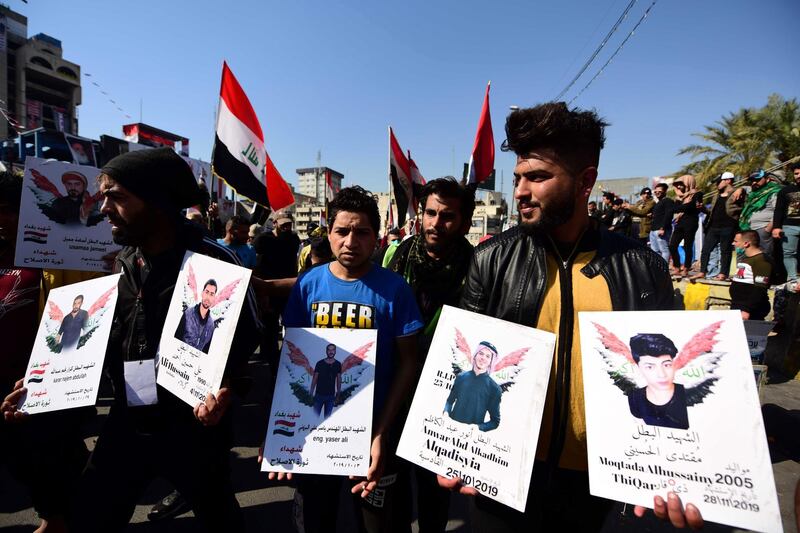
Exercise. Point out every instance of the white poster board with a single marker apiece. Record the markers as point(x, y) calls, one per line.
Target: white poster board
point(686, 420)
point(67, 359)
point(478, 405)
point(316, 425)
point(199, 327)
point(60, 224)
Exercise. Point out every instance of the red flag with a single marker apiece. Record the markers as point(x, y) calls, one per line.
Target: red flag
point(481, 163)
point(280, 194)
point(330, 190)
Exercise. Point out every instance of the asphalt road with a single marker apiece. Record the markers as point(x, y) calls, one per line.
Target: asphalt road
point(267, 506)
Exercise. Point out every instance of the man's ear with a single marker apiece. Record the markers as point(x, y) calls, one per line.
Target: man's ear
point(586, 181)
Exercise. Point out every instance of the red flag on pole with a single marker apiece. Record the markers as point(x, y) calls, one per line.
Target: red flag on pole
point(481, 163)
point(400, 177)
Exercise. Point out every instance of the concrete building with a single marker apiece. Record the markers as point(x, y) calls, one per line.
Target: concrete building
point(626, 188)
point(39, 87)
point(311, 182)
point(489, 215)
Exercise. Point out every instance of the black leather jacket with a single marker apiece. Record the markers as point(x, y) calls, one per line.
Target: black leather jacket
point(508, 276)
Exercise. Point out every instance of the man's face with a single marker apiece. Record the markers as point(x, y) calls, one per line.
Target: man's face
point(131, 220)
point(645, 196)
point(208, 297)
point(352, 239)
point(592, 207)
point(739, 243)
point(545, 191)
point(393, 239)
point(441, 222)
point(76, 304)
point(658, 371)
point(482, 360)
point(660, 192)
point(723, 184)
point(74, 188)
point(757, 184)
point(240, 233)
point(330, 351)
point(797, 175)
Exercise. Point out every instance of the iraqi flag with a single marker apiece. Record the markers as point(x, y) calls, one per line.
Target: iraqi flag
point(481, 163)
point(400, 175)
point(239, 155)
point(330, 190)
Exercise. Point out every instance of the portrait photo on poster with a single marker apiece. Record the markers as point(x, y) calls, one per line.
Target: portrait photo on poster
point(479, 402)
point(321, 411)
point(60, 223)
point(660, 387)
point(70, 346)
point(199, 328)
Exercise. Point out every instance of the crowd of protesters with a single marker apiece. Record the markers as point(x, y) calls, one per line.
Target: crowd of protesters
point(759, 220)
point(540, 273)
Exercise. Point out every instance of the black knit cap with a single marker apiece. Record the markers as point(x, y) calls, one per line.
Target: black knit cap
point(159, 176)
point(653, 344)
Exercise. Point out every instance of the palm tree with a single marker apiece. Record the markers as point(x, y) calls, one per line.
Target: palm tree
point(745, 141)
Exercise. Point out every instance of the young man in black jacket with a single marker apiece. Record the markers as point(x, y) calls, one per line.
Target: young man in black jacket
point(541, 273)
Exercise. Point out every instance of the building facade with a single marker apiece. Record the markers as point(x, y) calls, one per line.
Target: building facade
point(39, 87)
point(311, 181)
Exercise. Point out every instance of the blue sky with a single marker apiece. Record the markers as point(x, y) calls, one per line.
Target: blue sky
point(332, 76)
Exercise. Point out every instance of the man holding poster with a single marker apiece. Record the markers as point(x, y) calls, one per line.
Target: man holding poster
point(541, 274)
point(351, 292)
point(150, 432)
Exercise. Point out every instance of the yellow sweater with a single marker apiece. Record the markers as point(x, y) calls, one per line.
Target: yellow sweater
point(587, 295)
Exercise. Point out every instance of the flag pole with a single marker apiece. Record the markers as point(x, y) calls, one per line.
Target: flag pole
point(389, 216)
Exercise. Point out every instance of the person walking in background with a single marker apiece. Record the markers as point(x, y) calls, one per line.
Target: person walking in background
point(687, 211)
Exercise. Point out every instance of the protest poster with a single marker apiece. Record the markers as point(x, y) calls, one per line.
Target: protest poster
point(60, 224)
point(321, 416)
point(199, 327)
point(671, 405)
point(478, 405)
point(67, 359)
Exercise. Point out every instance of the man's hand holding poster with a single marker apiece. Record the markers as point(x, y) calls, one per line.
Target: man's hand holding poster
point(199, 328)
point(479, 403)
point(67, 360)
point(672, 406)
point(321, 416)
point(60, 224)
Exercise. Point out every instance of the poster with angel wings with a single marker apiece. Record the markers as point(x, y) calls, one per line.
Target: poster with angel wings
point(60, 223)
point(67, 359)
point(199, 327)
point(479, 402)
point(671, 405)
point(321, 416)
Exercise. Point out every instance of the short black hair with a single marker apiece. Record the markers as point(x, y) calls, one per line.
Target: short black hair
point(653, 344)
point(618, 201)
point(10, 189)
point(750, 236)
point(395, 231)
point(321, 247)
point(448, 187)
point(236, 220)
point(662, 185)
point(355, 199)
point(210, 282)
point(794, 166)
point(78, 297)
point(575, 136)
point(329, 345)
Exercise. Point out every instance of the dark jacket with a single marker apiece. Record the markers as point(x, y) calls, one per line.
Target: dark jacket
point(194, 330)
point(728, 217)
point(662, 215)
point(508, 276)
point(145, 290)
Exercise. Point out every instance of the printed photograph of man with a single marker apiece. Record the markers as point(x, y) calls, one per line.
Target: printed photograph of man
point(662, 402)
point(326, 385)
point(70, 331)
point(475, 393)
point(196, 327)
point(75, 207)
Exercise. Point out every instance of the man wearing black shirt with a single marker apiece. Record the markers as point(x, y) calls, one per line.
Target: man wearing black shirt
point(661, 226)
point(326, 385)
point(723, 221)
point(786, 222)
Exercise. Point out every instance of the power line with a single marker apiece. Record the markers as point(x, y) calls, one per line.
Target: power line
point(597, 50)
point(646, 13)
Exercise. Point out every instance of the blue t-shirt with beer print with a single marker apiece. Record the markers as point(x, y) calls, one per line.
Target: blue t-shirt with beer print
point(379, 300)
